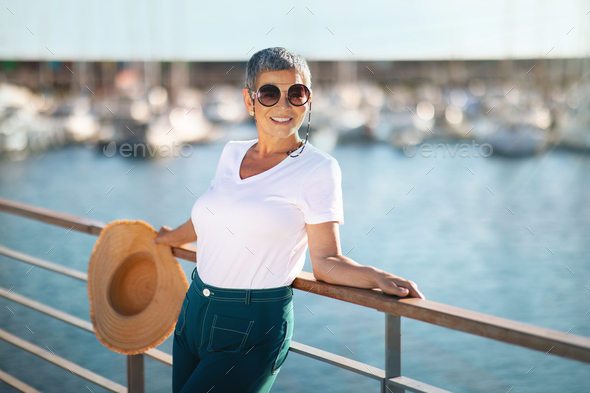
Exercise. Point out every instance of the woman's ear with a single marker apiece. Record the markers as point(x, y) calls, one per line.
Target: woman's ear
point(248, 101)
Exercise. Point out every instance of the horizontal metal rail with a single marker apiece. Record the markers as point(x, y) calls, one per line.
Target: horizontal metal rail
point(31, 260)
point(302, 349)
point(363, 369)
point(63, 363)
point(153, 353)
point(16, 383)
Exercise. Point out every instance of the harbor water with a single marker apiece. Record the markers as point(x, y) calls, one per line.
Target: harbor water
point(502, 236)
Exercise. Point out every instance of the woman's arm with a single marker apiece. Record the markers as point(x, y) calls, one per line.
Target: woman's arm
point(177, 237)
point(331, 266)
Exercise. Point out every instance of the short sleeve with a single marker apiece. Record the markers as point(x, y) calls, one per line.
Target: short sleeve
point(320, 197)
point(222, 158)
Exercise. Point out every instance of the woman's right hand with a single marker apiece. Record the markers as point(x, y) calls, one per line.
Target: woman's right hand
point(163, 236)
point(176, 237)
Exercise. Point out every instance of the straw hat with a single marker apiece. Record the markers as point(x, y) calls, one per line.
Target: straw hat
point(136, 288)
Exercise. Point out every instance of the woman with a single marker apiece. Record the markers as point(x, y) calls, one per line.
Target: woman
point(271, 198)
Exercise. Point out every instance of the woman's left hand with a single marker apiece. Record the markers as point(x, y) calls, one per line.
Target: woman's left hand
point(394, 285)
point(163, 236)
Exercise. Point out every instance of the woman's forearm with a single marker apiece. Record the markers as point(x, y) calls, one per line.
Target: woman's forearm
point(341, 270)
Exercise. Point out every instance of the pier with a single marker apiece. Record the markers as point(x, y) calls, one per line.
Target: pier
point(549, 341)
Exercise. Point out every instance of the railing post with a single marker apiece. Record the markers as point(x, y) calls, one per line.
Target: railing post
point(135, 374)
point(393, 352)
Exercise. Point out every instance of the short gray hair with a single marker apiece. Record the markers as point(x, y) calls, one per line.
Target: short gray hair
point(275, 59)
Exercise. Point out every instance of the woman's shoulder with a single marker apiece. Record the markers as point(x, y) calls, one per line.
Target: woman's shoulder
point(233, 147)
point(233, 144)
point(317, 157)
point(240, 143)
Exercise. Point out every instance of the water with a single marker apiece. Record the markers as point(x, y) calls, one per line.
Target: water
point(450, 231)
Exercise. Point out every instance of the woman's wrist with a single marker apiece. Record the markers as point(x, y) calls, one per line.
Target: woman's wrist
point(174, 238)
point(373, 274)
point(167, 236)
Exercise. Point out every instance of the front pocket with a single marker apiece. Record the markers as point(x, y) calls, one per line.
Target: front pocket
point(182, 316)
point(228, 334)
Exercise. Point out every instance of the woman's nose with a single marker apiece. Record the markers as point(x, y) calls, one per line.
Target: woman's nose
point(284, 101)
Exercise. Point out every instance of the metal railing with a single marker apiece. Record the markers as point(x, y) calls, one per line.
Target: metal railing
point(541, 339)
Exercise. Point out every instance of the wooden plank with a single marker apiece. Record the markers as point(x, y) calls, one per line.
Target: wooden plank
point(80, 224)
point(63, 363)
point(529, 336)
point(16, 383)
point(51, 217)
point(187, 252)
point(78, 275)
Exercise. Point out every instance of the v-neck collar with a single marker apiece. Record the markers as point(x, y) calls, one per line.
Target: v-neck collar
point(262, 174)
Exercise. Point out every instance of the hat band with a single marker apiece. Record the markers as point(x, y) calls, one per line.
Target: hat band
point(245, 296)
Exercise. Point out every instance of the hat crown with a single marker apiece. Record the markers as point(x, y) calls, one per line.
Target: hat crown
point(133, 285)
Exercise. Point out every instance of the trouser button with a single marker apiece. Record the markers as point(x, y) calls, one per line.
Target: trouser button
point(206, 292)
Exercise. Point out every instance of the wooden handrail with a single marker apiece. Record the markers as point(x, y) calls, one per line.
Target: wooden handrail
point(525, 335)
point(75, 223)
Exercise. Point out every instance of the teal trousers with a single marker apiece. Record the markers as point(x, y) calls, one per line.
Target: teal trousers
point(231, 340)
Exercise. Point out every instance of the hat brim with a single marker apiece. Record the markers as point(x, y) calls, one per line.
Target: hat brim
point(135, 287)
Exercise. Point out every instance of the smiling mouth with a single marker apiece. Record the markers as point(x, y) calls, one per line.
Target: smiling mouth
point(281, 120)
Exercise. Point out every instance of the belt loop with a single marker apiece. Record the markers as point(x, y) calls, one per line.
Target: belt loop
point(193, 275)
point(247, 297)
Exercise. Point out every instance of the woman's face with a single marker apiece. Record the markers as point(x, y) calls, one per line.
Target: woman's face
point(282, 109)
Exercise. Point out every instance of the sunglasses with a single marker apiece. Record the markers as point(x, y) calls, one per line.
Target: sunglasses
point(269, 95)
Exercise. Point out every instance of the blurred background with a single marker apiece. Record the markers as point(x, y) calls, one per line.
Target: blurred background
point(501, 230)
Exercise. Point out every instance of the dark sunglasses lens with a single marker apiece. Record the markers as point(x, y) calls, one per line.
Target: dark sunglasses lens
point(298, 95)
point(269, 95)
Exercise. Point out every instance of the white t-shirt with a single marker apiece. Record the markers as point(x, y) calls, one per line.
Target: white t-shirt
point(251, 232)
